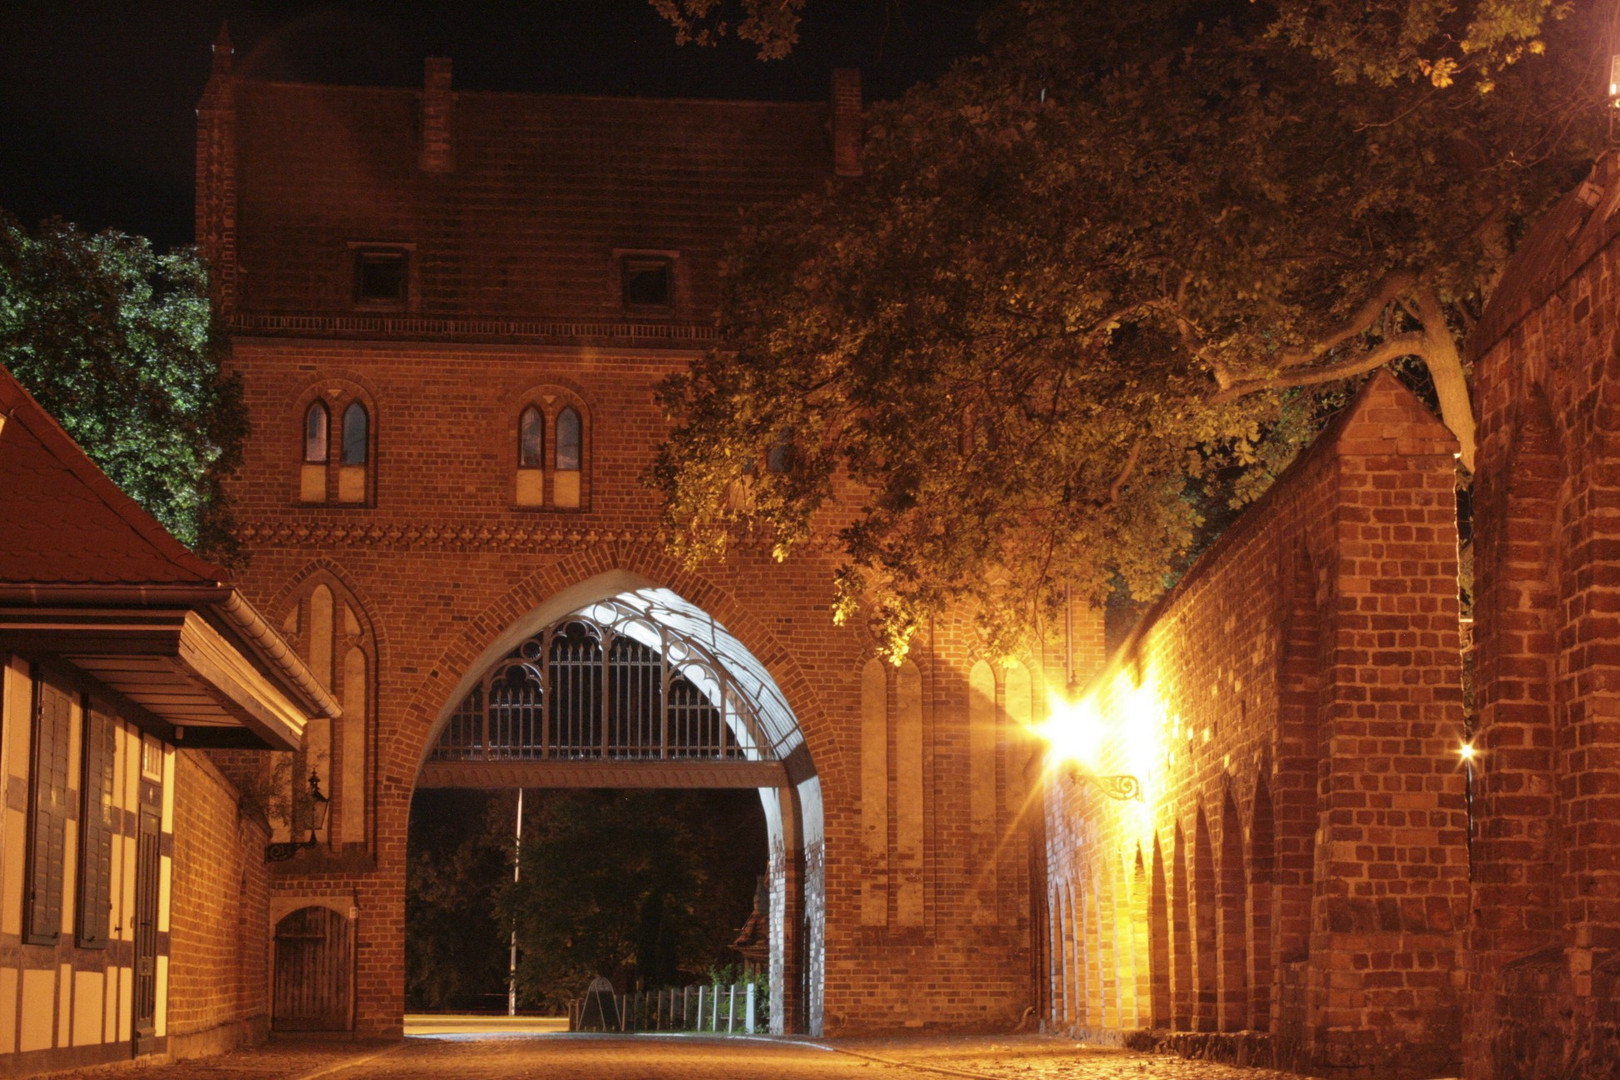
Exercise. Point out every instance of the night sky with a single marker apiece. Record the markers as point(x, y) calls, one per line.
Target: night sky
point(97, 99)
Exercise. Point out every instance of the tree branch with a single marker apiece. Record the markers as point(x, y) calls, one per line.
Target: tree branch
point(1124, 475)
point(1389, 288)
point(1415, 343)
point(1446, 371)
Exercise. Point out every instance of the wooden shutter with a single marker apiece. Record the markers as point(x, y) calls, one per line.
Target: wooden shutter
point(98, 822)
point(47, 846)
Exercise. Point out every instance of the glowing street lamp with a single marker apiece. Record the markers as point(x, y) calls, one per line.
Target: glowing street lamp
point(1074, 735)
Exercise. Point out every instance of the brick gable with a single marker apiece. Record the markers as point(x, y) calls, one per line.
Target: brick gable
point(524, 225)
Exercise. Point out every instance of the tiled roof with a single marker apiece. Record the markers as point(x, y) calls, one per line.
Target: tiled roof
point(541, 191)
point(65, 523)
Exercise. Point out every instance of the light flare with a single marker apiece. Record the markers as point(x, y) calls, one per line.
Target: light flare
point(1074, 730)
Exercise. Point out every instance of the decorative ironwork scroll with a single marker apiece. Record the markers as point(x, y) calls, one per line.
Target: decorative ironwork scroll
point(1122, 787)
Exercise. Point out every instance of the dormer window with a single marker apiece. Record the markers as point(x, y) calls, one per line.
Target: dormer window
point(647, 281)
point(382, 277)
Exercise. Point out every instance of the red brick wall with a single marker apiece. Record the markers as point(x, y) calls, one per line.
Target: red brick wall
point(219, 915)
point(1545, 934)
point(1297, 863)
point(443, 564)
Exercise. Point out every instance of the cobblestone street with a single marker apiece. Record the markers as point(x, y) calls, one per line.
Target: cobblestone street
point(680, 1057)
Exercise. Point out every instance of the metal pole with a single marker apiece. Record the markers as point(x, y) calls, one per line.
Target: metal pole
point(517, 860)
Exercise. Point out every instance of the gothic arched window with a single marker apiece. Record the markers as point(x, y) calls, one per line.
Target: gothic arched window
point(531, 439)
point(316, 422)
point(565, 484)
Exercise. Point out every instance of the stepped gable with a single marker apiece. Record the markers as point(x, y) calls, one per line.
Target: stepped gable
point(66, 523)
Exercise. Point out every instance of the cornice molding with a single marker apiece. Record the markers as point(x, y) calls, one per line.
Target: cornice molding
point(660, 333)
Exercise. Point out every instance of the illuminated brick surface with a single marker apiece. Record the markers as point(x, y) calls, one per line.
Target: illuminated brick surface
point(1545, 933)
point(510, 221)
point(1297, 866)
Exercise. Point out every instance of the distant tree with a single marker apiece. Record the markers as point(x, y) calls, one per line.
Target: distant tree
point(1382, 40)
point(118, 343)
point(650, 884)
point(456, 943)
point(1093, 282)
point(772, 26)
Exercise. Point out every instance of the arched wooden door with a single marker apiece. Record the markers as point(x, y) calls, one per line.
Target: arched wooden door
point(314, 966)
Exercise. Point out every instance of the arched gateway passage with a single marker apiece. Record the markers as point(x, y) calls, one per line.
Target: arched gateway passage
point(635, 687)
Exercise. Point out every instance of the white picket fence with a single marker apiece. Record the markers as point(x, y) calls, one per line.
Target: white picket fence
point(726, 1009)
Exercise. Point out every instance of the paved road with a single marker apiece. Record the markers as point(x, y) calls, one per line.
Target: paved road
point(683, 1057)
point(520, 1056)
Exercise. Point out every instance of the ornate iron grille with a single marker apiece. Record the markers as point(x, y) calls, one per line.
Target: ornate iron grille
point(586, 689)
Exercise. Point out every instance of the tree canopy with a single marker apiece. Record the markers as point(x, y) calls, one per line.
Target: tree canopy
point(118, 343)
point(1093, 280)
point(771, 26)
point(647, 884)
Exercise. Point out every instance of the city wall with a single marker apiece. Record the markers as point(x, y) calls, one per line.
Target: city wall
point(1545, 938)
point(1291, 882)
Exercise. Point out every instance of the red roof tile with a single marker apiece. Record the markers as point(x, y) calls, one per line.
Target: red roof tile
point(65, 523)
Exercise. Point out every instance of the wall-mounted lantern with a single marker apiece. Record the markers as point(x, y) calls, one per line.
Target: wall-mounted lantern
point(319, 805)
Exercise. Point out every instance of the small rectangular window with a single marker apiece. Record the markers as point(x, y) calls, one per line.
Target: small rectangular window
point(646, 281)
point(48, 813)
point(381, 277)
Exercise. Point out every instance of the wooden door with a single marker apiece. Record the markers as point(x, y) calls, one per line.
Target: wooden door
point(148, 864)
point(314, 964)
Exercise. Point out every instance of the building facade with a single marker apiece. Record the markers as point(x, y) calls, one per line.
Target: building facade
point(451, 311)
point(132, 888)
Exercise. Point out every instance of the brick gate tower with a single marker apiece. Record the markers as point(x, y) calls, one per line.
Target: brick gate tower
point(450, 310)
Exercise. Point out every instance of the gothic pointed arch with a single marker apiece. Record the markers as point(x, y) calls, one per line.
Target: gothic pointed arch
point(1206, 926)
point(319, 613)
point(1262, 853)
point(1159, 938)
point(1232, 888)
point(1141, 944)
point(1183, 995)
point(791, 721)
